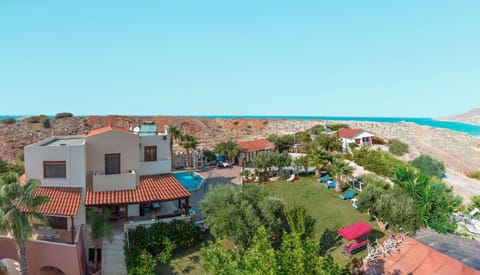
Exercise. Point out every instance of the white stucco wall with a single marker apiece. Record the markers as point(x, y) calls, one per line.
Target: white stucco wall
point(112, 142)
point(163, 163)
point(73, 155)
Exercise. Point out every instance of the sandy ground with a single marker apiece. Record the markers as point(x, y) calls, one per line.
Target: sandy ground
point(462, 185)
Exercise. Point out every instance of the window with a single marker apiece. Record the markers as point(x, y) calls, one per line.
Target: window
point(54, 169)
point(112, 164)
point(150, 153)
point(57, 222)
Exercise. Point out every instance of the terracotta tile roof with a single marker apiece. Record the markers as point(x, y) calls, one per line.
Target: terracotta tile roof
point(256, 145)
point(151, 189)
point(105, 129)
point(347, 132)
point(64, 201)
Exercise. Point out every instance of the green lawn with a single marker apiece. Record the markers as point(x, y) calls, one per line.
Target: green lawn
point(325, 206)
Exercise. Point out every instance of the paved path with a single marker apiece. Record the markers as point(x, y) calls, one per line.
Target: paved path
point(114, 256)
point(462, 185)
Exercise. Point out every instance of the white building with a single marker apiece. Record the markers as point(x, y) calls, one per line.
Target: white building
point(358, 136)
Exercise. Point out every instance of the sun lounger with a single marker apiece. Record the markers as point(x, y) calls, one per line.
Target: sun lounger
point(291, 178)
point(349, 195)
point(325, 179)
point(331, 184)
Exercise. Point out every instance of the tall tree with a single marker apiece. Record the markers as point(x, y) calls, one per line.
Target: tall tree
point(174, 134)
point(228, 149)
point(340, 167)
point(18, 209)
point(188, 142)
point(320, 159)
point(100, 229)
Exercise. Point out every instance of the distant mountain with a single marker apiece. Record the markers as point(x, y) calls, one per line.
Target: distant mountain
point(472, 116)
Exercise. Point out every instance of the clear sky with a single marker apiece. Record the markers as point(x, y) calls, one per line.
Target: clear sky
point(316, 58)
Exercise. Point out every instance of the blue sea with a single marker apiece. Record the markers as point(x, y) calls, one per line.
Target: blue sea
point(470, 129)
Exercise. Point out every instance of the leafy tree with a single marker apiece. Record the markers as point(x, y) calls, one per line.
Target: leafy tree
point(338, 126)
point(174, 134)
point(429, 166)
point(63, 115)
point(397, 147)
point(299, 222)
point(305, 137)
point(18, 209)
point(301, 162)
point(326, 142)
point(99, 229)
point(380, 162)
point(188, 142)
point(209, 155)
point(228, 149)
point(295, 256)
point(367, 199)
point(251, 208)
point(398, 209)
point(282, 143)
point(281, 160)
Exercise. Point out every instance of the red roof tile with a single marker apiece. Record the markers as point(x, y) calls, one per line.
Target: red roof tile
point(105, 129)
point(151, 189)
point(347, 132)
point(64, 201)
point(256, 145)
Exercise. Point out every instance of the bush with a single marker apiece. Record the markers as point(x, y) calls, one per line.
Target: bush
point(374, 180)
point(397, 147)
point(8, 120)
point(429, 166)
point(382, 163)
point(21, 155)
point(157, 242)
point(474, 175)
point(63, 115)
point(46, 123)
point(378, 140)
point(338, 126)
point(36, 119)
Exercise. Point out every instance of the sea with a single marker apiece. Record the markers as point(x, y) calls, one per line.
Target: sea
point(467, 128)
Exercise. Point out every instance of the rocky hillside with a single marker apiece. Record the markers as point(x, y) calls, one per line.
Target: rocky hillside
point(472, 116)
point(13, 137)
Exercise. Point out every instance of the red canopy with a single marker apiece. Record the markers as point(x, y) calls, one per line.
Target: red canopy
point(354, 231)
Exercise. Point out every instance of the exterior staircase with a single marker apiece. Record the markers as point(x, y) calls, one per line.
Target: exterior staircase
point(113, 262)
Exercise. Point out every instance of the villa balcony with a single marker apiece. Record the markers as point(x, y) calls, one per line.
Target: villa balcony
point(160, 166)
point(112, 182)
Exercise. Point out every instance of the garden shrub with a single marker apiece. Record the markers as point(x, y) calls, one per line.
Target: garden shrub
point(397, 147)
point(158, 241)
point(372, 179)
point(429, 166)
point(382, 163)
point(474, 175)
point(8, 120)
point(63, 115)
point(378, 140)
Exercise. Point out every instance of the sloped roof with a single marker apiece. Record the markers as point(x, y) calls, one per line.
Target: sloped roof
point(106, 129)
point(348, 133)
point(64, 201)
point(256, 145)
point(416, 258)
point(151, 189)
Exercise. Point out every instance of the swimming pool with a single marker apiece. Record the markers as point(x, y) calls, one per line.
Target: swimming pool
point(190, 180)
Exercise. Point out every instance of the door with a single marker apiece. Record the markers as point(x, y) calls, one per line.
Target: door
point(112, 164)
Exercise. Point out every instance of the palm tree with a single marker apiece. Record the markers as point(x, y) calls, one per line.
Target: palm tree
point(188, 142)
point(320, 159)
point(174, 134)
point(99, 229)
point(340, 167)
point(18, 209)
point(229, 149)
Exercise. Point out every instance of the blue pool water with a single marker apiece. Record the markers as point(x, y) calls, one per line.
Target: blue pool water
point(190, 180)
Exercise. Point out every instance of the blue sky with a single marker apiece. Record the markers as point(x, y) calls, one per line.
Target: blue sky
point(316, 58)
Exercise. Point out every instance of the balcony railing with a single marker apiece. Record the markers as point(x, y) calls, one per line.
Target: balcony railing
point(160, 166)
point(111, 182)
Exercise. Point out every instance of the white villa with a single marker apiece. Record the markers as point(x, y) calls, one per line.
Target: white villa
point(358, 136)
point(126, 172)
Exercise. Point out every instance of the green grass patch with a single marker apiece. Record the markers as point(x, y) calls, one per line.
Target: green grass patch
point(325, 206)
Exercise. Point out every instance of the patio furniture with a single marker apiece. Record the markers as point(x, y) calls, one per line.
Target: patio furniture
point(349, 195)
point(325, 179)
point(331, 184)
